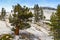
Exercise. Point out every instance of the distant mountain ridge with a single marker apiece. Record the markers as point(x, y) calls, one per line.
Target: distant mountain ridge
point(50, 8)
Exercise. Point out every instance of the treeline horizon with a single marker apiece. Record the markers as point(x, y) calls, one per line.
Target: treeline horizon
point(44, 7)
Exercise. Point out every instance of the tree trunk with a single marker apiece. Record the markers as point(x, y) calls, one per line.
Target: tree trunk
point(16, 33)
point(17, 30)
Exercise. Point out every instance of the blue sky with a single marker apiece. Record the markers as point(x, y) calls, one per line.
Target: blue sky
point(7, 4)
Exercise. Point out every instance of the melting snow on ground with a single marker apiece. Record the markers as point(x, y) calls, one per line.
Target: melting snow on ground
point(38, 31)
point(4, 29)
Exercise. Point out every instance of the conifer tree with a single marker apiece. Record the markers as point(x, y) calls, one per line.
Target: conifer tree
point(20, 17)
point(36, 11)
point(55, 23)
point(3, 13)
point(41, 16)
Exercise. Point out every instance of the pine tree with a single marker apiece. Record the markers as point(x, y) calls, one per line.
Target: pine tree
point(3, 13)
point(10, 18)
point(36, 11)
point(55, 23)
point(41, 16)
point(20, 17)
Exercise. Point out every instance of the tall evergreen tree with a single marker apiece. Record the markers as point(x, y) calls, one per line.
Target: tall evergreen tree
point(41, 15)
point(20, 17)
point(55, 22)
point(10, 18)
point(36, 11)
point(3, 13)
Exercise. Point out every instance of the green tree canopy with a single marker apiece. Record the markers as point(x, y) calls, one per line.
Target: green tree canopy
point(3, 13)
point(20, 17)
point(41, 16)
point(36, 11)
point(21, 14)
point(55, 22)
